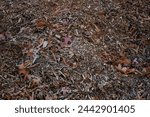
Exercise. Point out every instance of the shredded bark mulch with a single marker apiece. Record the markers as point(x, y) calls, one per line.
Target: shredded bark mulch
point(74, 49)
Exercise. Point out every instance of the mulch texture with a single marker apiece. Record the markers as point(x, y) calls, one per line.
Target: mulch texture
point(74, 49)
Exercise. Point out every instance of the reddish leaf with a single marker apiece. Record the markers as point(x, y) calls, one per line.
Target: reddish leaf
point(67, 40)
point(23, 68)
point(41, 23)
point(124, 60)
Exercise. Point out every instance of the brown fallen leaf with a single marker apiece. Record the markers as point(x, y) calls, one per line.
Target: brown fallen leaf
point(131, 71)
point(119, 68)
point(30, 52)
point(23, 72)
point(40, 23)
point(125, 70)
point(124, 61)
point(25, 64)
point(23, 68)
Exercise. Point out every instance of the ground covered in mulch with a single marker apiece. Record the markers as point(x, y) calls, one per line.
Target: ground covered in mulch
point(74, 49)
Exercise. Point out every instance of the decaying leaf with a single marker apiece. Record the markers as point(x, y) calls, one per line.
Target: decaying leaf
point(124, 61)
point(131, 71)
point(23, 68)
point(23, 71)
point(67, 40)
point(30, 53)
point(125, 70)
point(40, 23)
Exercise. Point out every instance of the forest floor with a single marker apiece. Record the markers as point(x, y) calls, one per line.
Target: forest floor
point(74, 49)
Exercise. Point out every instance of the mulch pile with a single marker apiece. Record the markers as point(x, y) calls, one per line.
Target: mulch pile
point(74, 49)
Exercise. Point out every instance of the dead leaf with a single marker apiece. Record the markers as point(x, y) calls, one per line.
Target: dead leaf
point(41, 23)
point(67, 40)
point(23, 68)
point(23, 71)
point(125, 70)
point(131, 71)
point(124, 61)
point(30, 53)
point(119, 68)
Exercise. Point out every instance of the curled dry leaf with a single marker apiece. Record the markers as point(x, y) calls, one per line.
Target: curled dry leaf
point(125, 70)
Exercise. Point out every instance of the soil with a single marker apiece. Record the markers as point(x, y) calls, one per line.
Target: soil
point(74, 49)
